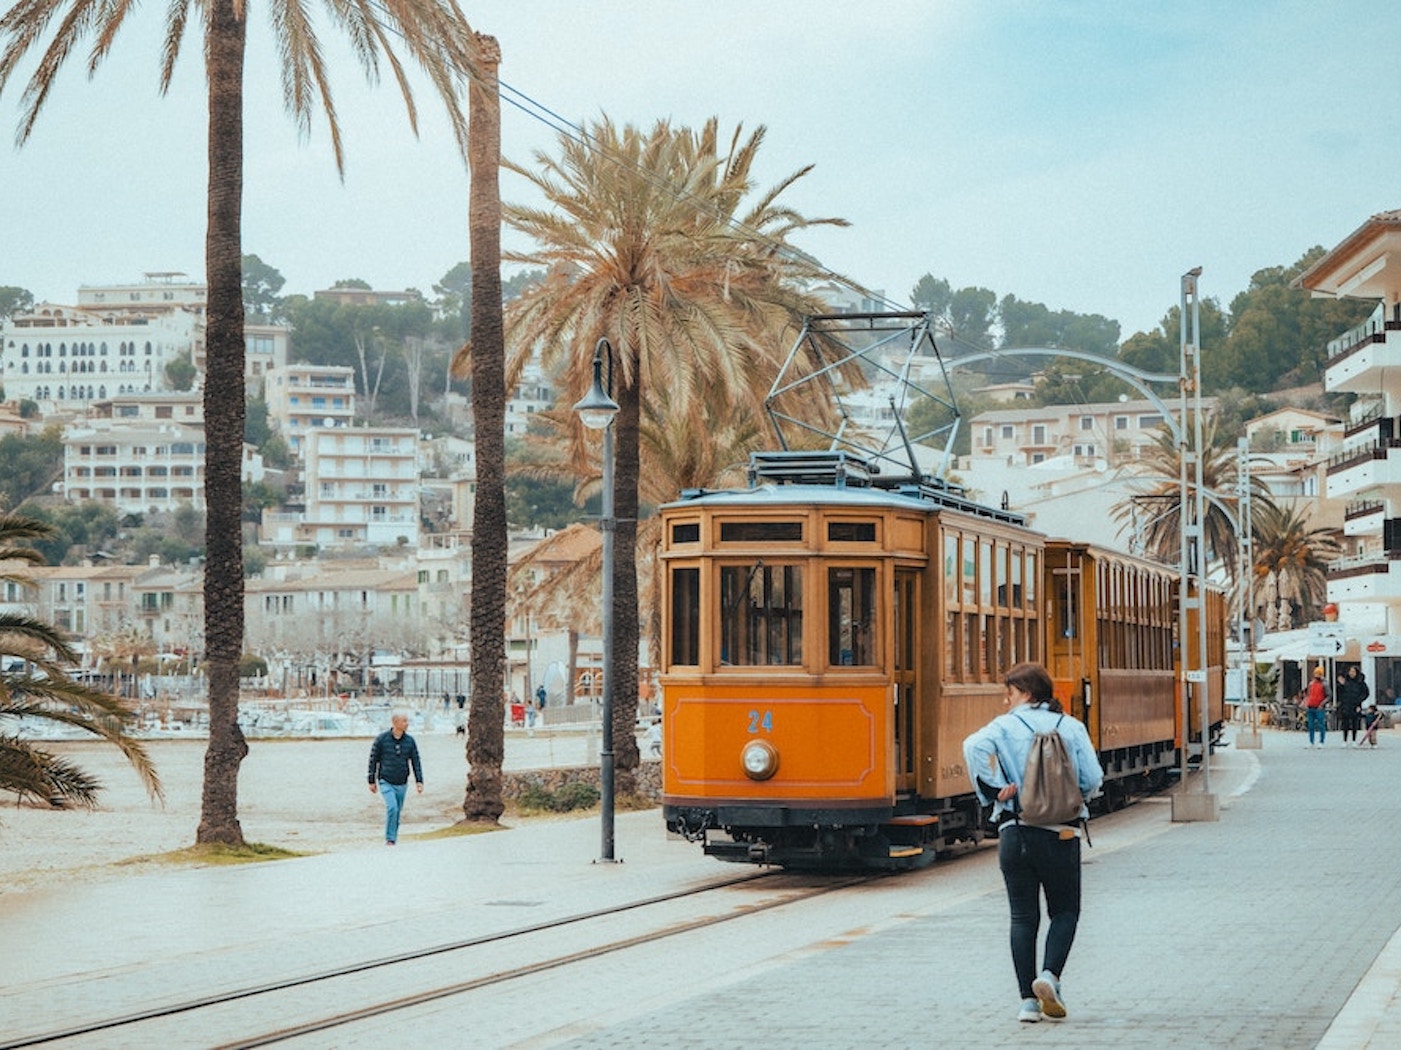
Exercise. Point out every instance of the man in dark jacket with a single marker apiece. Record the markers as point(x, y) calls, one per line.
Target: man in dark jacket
point(391, 756)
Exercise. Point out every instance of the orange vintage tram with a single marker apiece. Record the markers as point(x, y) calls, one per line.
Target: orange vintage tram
point(831, 638)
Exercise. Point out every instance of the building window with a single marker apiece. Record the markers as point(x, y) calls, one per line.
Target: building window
point(1121, 422)
point(1038, 434)
point(1149, 422)
point(1087, 422)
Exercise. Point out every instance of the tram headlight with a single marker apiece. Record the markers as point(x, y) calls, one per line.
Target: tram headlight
point(760, 760)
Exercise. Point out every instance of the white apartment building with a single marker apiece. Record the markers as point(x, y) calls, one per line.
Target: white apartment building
point(87, 602)
point(333, 609)
point(361, 490)
point(118, 339)
point(161, 290)
point(1365, 470)
point(180, 406)
point(140, 467)
point(265, 349)
point(302, 398)
point(532, 394)
point(1114, 431)
point(66, 357)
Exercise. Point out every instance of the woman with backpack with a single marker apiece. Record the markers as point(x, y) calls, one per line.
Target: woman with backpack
point(1018, 767)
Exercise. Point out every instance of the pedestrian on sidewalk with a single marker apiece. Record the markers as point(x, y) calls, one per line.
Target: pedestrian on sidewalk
point(1352, 694)
point(1316, 707)
point(1372, 721)
point(391, 756)
point(1034, 859)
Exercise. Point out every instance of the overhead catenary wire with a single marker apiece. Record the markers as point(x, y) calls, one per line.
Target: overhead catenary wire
point(563, 126)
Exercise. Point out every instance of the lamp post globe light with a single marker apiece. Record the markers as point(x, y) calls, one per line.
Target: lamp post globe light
point(596, 411)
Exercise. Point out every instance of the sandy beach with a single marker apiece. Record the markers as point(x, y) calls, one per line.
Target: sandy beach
point(304, 795)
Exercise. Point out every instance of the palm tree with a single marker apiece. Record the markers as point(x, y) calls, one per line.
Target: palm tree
point(1291, 558)
point(436, 36)
point(648, 240)
point(1152, 514)
point(484, 800)
point(702, 444)
point(43, 692)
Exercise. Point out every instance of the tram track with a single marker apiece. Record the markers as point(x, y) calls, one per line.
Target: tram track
point(197, 1012)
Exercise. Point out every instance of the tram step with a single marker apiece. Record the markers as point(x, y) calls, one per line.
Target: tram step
point(913, 820)
point(900, 852)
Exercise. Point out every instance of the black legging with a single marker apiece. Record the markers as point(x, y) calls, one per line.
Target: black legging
point(1034, 860)
point(1350, 719)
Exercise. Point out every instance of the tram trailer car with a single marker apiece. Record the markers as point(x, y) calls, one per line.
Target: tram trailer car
point(828, 645)
point(1112, 630)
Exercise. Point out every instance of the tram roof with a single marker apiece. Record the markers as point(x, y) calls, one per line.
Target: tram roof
point(915, 498)
point(840, 478)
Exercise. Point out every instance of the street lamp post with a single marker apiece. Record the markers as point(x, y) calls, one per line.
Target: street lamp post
point(597, 410)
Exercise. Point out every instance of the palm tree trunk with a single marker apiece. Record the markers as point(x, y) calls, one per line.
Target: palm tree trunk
point(223, 415)
point(485, 732)
point(625, 625)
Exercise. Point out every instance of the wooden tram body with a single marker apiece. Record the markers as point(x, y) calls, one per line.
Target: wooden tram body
point(829, 642)
point(1112, 651)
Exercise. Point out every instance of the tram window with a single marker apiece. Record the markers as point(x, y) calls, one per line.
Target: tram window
point(970, 570)
point(1031, 584)
point(686, 532)
point(1001, 569)
point(761, 532)
point(950, 567)
point(761, 614)
point(851, 617)
point(985, 573)
point(685, 616)
point(1066, 617)
point(851, 531)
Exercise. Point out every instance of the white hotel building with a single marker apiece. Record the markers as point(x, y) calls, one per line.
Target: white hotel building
point(302, 398)
point(362, 489)
point(1366, 472)
point(66, 357)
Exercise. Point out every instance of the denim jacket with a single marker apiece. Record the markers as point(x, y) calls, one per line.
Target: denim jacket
point(996, 754)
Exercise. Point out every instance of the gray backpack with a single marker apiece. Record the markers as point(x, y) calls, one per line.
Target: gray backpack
point(1050, 789)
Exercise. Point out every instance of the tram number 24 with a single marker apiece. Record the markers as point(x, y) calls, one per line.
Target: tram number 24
point(760, 721)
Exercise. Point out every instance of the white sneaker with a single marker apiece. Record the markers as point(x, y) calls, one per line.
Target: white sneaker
point(1030, 1011)
point(1047, 990)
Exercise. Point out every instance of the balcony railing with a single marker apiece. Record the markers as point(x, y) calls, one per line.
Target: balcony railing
point(1360, 508)
point(1367, 564)
point(1358, 454)
point(1372, 330)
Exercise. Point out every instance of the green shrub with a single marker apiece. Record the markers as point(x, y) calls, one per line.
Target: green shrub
point(576, 795)
point(536, 798)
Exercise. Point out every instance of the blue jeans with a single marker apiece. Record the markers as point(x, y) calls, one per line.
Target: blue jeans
point(393, 795)
point(1034, 861)
point(1317, 718)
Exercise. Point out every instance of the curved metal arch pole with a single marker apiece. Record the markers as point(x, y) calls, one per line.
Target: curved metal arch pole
point(1135, 377)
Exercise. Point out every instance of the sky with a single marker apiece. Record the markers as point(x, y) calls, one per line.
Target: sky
point(1083, 153)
